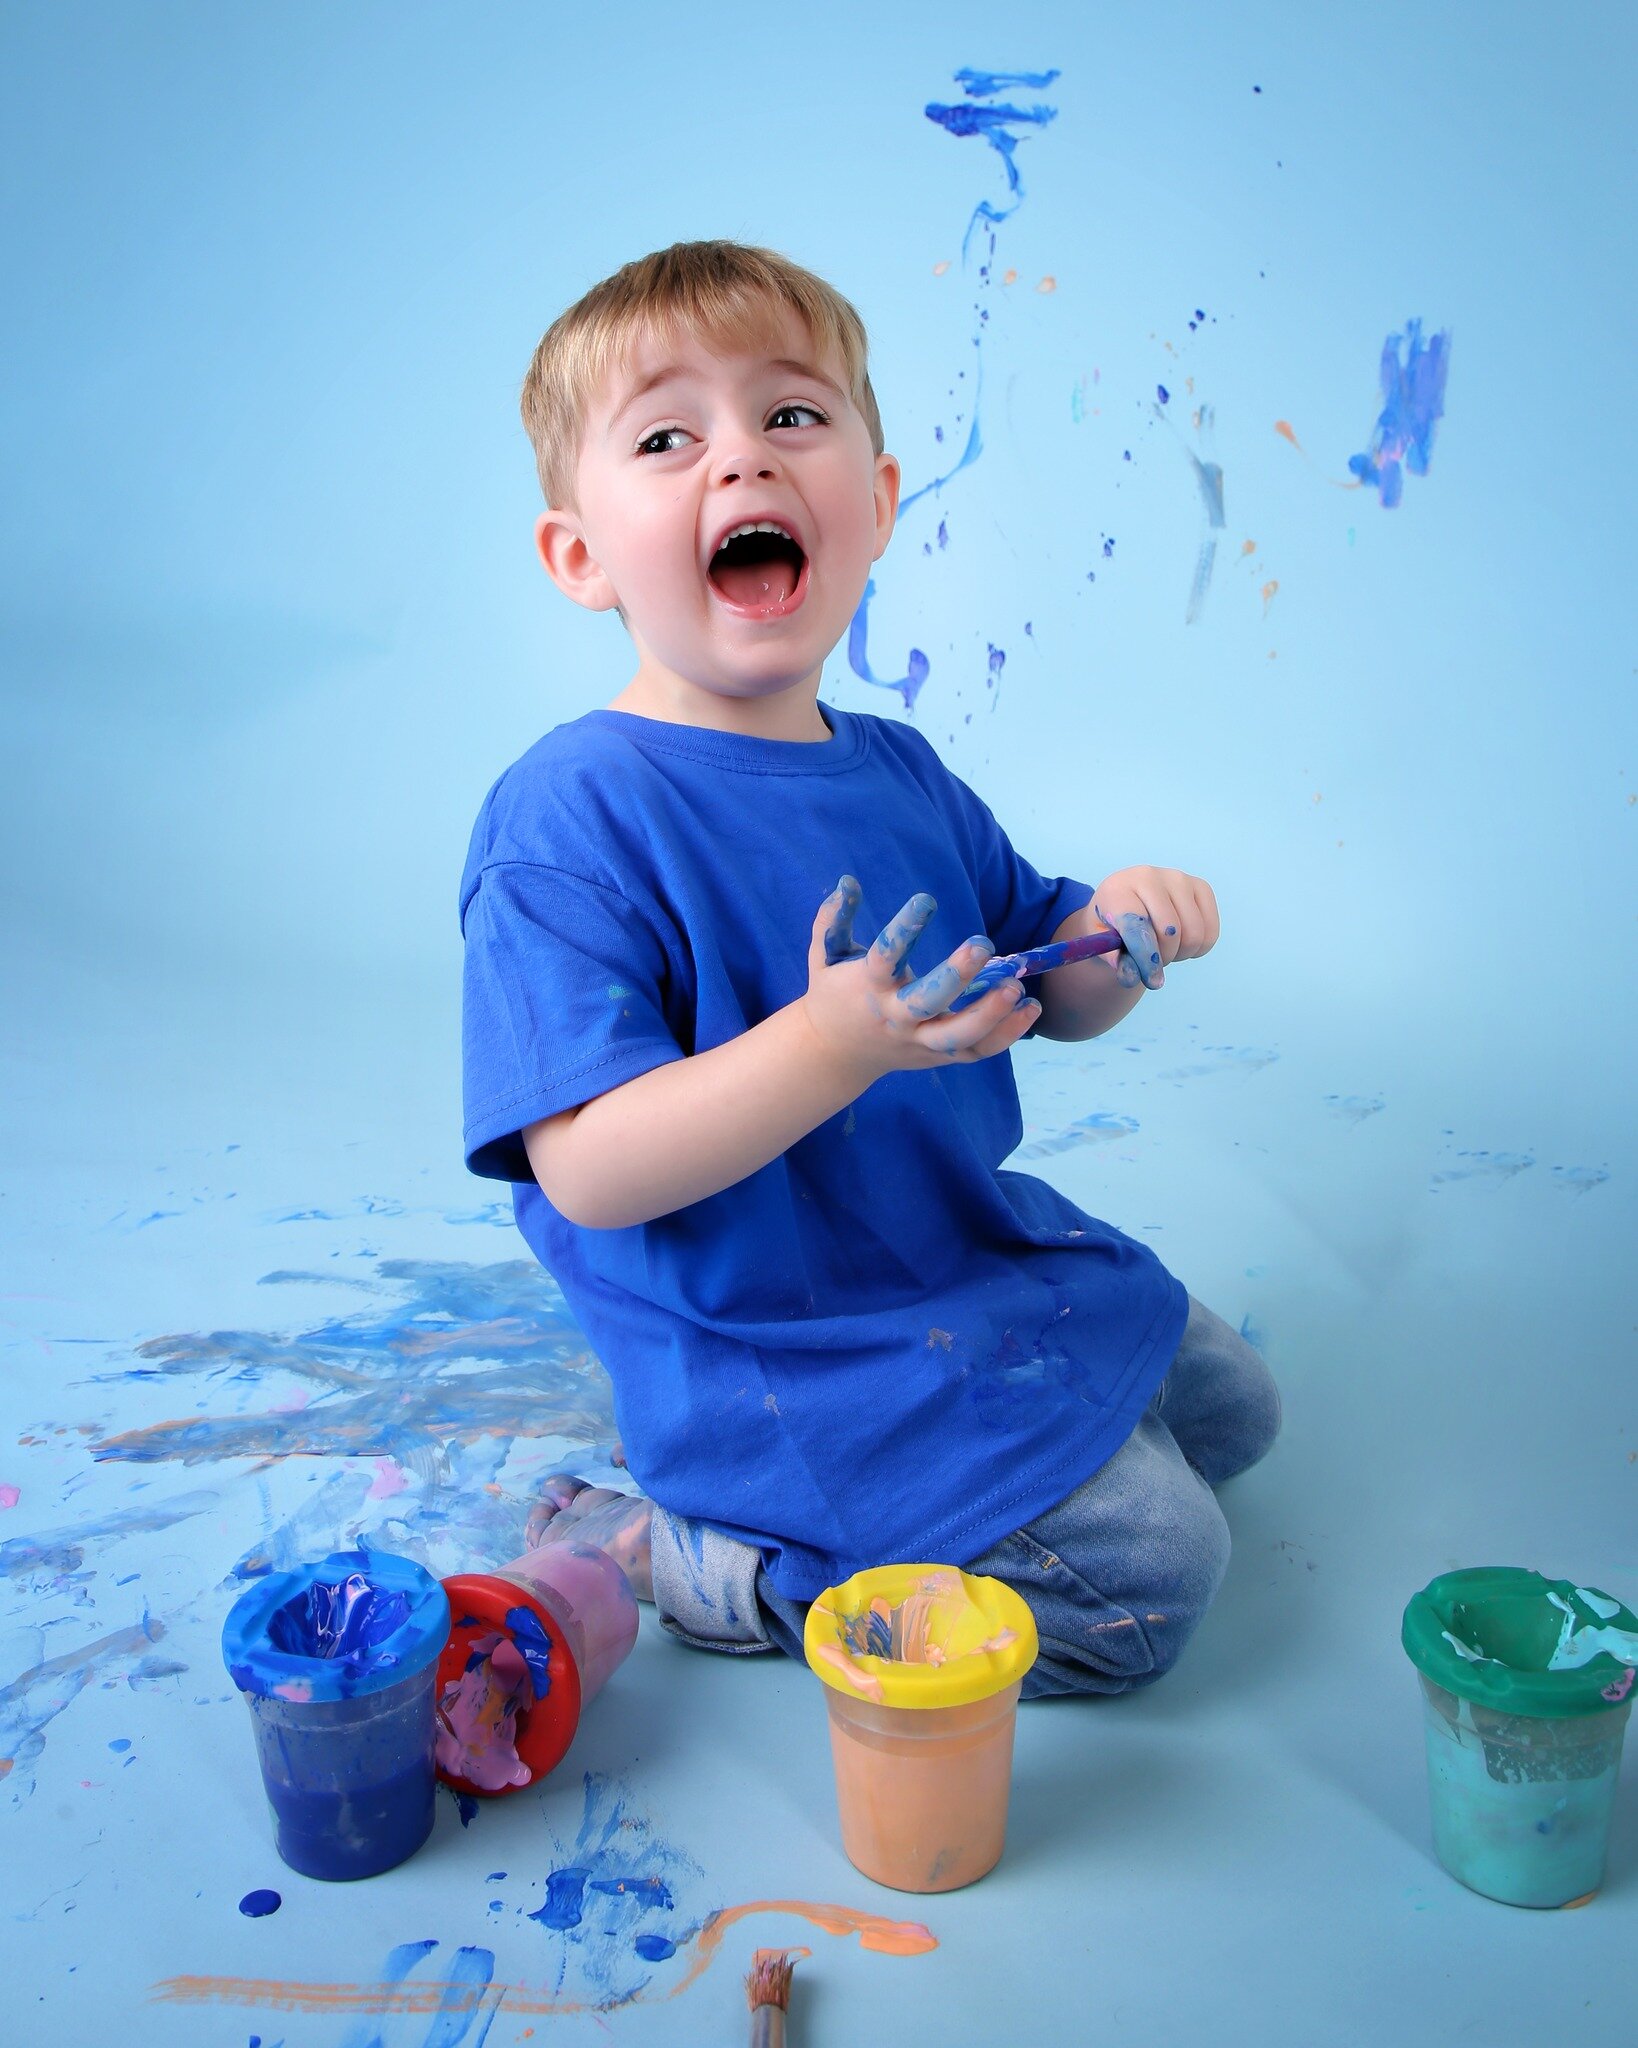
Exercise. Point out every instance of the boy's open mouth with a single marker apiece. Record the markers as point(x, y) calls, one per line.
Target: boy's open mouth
point(763, 575)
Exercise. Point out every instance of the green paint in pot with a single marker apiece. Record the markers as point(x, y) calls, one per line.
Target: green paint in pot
point(1526, 1685)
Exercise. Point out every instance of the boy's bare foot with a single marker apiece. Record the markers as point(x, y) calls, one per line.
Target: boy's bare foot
point(569, 1510)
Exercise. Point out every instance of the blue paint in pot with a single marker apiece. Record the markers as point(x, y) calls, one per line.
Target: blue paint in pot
point(337, 1662)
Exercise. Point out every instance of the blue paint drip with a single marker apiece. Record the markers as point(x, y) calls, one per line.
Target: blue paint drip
point(1413, 402)
point(1209, 477)
point(534, 1646)
point(907, 685)
point(654, 1948)
point(995, 124)
point(257, 1905)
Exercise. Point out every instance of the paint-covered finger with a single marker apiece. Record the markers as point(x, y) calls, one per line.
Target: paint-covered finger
point(842, 903)
point(962, 1034)
point(1139, 958)
point(898, 935)
point(987, 978)
point(950, 984)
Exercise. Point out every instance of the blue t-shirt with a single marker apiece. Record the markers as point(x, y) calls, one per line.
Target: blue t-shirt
point(880, 1347)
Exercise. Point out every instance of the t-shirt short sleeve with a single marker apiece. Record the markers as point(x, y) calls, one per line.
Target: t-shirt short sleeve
point(563, 998)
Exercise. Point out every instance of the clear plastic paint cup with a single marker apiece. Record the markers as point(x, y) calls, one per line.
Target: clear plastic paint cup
point(530, 1647)
point(922, 1667)
point(1526, 1690)
point(336, 1662)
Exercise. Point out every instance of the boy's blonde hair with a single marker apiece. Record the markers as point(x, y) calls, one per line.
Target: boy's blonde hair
point(727, 295)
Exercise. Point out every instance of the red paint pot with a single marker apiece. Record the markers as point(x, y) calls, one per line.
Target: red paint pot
point(531, 1644)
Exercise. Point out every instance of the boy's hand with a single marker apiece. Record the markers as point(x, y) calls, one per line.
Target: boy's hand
point(1162, 915)
point(875, 1015)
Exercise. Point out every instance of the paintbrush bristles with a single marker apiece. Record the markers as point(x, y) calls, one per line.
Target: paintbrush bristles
point(770, 1980)
point(767, 1992)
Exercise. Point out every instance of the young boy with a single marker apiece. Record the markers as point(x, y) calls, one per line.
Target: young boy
point(758, 1152)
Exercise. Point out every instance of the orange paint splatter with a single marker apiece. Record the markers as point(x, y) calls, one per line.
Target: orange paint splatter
point(1286, 431)
point(1009, 277)
point(1269, 589)
point(940, 268)
point(276, 1994)
point(1248, 547)
point(1048, 283)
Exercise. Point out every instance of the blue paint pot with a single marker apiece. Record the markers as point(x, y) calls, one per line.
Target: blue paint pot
point(337, 1662)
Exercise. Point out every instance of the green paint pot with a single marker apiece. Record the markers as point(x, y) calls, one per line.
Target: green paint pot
point(1527, 1685)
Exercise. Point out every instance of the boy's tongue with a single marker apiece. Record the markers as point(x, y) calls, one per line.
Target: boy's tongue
point(756, 583)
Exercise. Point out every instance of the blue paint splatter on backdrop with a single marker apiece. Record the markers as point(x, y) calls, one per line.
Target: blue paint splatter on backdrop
point(995, 124)
point(1100, 1125)
point(1413, 402)
point(257, 1905)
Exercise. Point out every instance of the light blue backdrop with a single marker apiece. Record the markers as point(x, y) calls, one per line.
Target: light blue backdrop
point(273, 623)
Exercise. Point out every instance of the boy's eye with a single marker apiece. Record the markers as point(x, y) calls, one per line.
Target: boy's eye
point(646, 446)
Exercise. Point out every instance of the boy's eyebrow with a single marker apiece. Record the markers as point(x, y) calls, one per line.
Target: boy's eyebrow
point(668, 371)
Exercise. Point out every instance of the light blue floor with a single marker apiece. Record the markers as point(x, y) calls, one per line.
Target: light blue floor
point(1238, 1855)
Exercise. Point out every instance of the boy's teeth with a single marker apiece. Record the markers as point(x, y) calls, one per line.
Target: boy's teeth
point(760, 526)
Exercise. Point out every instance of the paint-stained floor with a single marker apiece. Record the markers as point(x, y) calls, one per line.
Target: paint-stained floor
point(246, 1323)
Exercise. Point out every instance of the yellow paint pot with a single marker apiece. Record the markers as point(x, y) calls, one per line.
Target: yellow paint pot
point(922, 1665)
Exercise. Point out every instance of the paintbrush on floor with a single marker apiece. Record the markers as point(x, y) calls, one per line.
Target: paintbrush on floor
point(768, 1993)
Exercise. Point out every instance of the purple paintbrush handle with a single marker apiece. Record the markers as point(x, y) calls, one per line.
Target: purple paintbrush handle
point(1038, 960)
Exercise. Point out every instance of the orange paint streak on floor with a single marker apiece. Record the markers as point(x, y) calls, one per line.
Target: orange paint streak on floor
point(277, 1994)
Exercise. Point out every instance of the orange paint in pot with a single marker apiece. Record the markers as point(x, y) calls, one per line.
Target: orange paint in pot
point(922, 1667)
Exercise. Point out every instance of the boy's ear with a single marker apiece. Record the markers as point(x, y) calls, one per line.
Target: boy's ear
point(887, 501)
point(562, 549)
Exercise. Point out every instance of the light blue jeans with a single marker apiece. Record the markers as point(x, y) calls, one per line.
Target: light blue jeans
point(1117, 1575)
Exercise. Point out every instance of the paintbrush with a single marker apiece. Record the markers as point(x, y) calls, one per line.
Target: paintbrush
point(767, 1993)
point(1038, 960)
